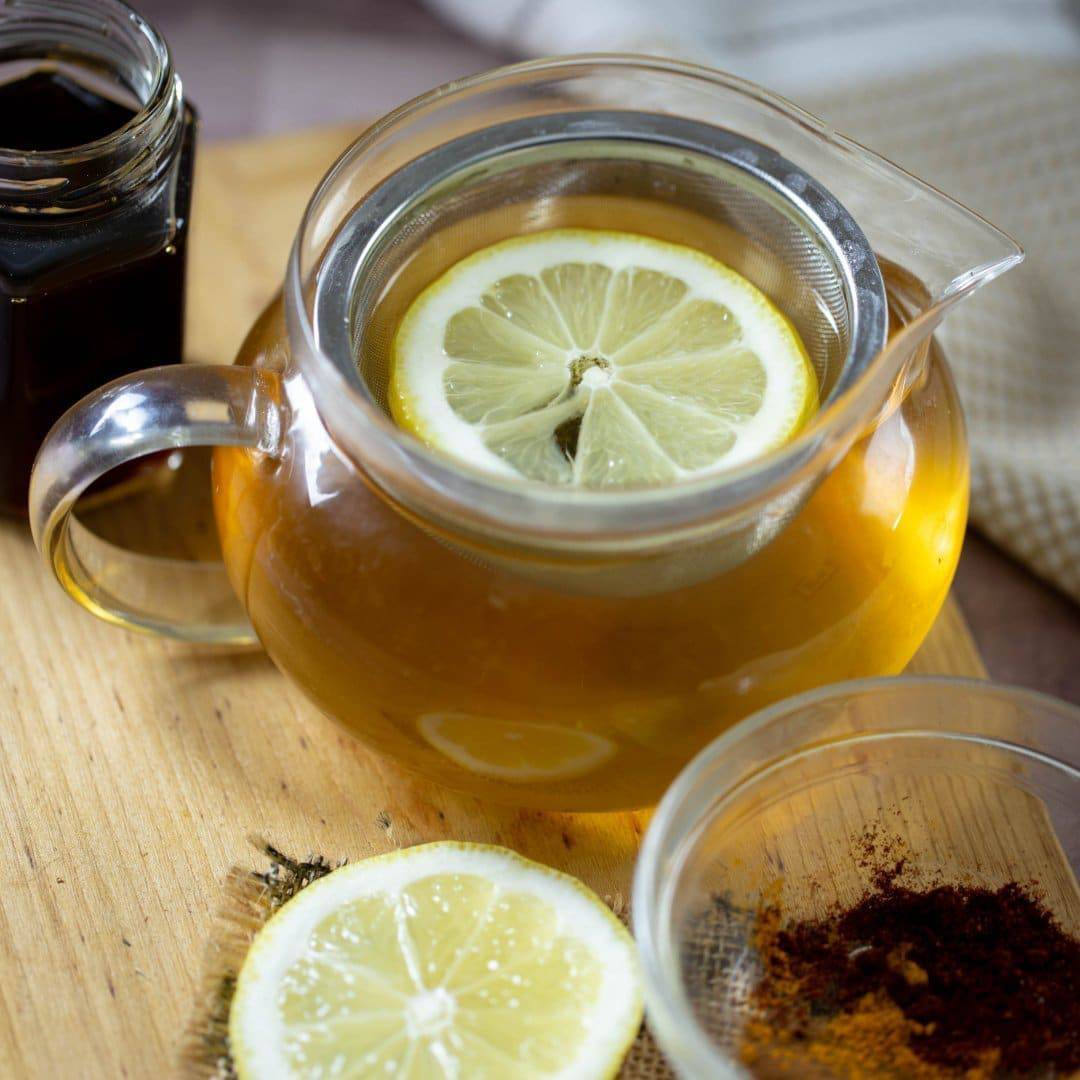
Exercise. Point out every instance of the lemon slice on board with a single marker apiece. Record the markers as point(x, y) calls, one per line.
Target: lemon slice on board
point(443, 960)
point(513, 750)
point(598, 359)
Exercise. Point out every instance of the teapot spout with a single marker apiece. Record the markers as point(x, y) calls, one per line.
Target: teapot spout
point(933, 252)
point(950, 249)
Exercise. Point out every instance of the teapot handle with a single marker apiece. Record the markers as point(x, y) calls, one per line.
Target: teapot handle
point(148, 411)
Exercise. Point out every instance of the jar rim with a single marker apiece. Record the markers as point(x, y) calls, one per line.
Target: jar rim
point(116, 36)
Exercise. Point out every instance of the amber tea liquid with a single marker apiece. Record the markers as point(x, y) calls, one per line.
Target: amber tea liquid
point(524, 693)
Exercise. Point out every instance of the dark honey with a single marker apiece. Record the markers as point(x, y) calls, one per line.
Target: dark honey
point(89, 294)
point(49, 110)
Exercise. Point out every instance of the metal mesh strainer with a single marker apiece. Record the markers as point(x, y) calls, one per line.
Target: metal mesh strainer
point(774, 223)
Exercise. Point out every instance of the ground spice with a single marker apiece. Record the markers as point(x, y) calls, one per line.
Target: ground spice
point(949, 981)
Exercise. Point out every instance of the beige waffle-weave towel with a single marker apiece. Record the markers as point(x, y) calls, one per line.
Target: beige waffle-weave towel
point(981, 99)
point(1002, 135)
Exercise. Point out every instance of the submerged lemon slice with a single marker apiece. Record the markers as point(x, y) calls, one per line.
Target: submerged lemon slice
point(598, 359)
point(515, 750)
point(440, 960)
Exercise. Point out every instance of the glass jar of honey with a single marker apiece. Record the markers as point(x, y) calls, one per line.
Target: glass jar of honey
point(96, 155)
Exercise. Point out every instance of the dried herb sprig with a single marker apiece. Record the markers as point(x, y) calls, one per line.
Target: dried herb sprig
point(250, 898)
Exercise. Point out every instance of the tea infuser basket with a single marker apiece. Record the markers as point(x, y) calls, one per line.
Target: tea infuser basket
point(797, 244)
point(803, 249)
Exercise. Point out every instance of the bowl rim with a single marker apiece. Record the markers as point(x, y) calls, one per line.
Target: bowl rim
point(670, 1017)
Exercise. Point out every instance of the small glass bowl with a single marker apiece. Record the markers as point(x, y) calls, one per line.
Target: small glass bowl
point(978, 784)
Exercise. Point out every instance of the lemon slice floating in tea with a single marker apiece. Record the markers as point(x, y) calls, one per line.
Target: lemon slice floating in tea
point(515, 750)
point(598, 359)
point(440, 960)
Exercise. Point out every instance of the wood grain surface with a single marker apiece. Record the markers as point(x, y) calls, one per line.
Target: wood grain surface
point(132, 771)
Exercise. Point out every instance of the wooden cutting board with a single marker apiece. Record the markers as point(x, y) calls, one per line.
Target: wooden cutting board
point(132, 771)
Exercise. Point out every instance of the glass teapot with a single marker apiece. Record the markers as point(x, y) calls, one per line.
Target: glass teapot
point(536, 645)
